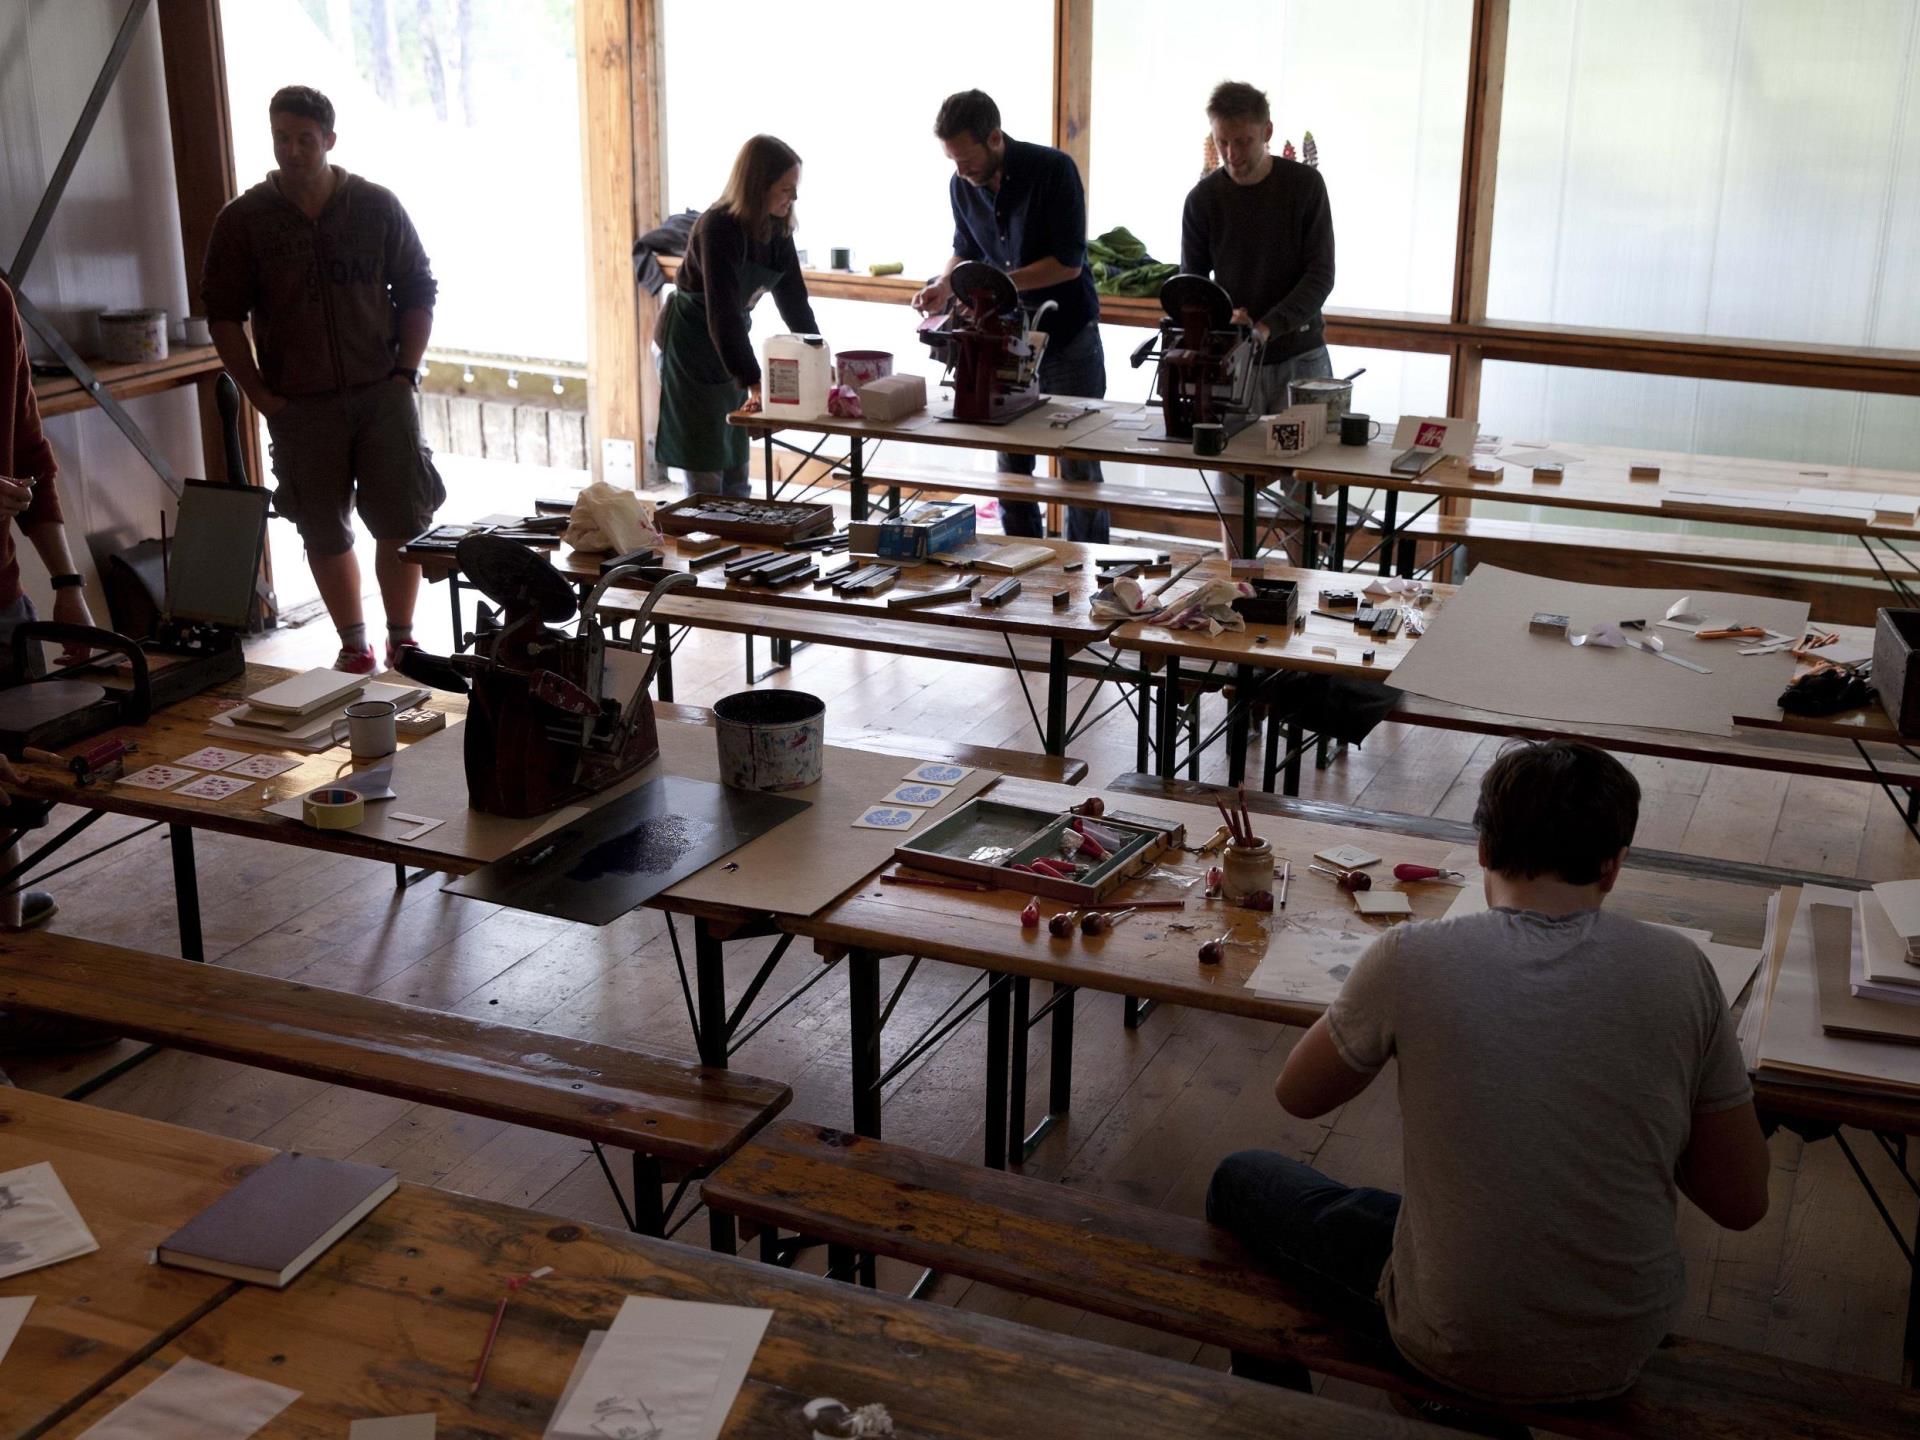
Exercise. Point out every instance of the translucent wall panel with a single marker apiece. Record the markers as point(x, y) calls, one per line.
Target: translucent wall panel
point(1701, 417)
point(854, 89)
point(1727, 167)
point(470, 113)
point(1382, 86)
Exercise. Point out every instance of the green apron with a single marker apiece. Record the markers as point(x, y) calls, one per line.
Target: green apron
point(696, 392)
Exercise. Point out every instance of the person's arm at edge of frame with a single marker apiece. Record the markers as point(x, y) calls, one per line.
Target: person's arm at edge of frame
point(1315, 1079)
point(413, 290)
point(1725, 1167)
point(40, 519)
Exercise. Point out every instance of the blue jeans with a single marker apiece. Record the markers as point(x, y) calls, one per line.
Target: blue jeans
point(1333, 1239)
point(1078, 367)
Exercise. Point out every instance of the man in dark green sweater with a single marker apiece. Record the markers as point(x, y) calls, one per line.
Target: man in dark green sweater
point(1262, 228)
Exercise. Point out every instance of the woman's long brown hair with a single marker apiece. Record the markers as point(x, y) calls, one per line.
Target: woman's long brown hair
point(756, 169)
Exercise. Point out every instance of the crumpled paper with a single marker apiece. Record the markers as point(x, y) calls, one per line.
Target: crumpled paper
point(843, 402)
point(1604, 636)
point(1207, 607)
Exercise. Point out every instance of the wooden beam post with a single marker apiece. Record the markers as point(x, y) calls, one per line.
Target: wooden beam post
point(607, 142)
point(649, 184)
point(194, 61)
point(1073, 83)
point(200, 121)
point(1479, 164)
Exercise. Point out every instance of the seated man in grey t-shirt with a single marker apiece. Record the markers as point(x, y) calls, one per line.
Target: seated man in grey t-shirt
point(1563, 1071)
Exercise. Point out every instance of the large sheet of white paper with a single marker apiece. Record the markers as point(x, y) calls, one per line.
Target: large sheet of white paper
point(1479, 652)
point(666, 1370)
point(39, 1224)
point(195, 1401)
point(13, 1314)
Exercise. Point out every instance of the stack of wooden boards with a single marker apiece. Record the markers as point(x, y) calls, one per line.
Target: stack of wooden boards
point(299, 713)
point(1838, 997)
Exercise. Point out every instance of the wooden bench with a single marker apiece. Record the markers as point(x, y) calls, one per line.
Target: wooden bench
point(1607, 556)
point(667, 1111)
point(1059, 769)
point(1188, 1278)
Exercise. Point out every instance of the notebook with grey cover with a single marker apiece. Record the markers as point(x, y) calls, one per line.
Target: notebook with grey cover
point(279, 1220)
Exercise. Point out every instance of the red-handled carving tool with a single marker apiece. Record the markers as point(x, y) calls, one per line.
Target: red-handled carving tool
point(1407, 870)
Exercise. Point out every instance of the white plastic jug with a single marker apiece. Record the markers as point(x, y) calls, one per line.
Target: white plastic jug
point(796, 372)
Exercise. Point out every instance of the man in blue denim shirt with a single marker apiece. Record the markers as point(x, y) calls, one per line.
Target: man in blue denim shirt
point(1021, 208)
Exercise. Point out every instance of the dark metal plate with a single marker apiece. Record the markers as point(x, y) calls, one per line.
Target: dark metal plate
point(1180, 291)
point(972, 276)
point(24, 707)
point(627, 851)
point(510, 574)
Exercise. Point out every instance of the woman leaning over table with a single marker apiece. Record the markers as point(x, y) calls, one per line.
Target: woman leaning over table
point(741, 248)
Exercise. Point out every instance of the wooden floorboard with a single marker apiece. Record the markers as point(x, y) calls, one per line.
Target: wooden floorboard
point(1154, 1110)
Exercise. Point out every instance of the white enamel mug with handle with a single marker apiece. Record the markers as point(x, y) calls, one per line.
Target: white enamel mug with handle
point(370, 730)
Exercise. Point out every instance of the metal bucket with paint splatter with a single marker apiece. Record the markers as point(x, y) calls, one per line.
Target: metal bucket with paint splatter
point(770, 739)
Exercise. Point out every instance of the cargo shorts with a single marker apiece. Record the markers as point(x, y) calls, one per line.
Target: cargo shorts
point(350, 450)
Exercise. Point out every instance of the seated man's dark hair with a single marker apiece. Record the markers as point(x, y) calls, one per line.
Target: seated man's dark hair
point(1556, 808)
point(969, 112)
point(303, 100)
point(1237, 100)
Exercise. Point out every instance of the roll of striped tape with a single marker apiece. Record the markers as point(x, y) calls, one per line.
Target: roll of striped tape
point(333, 809)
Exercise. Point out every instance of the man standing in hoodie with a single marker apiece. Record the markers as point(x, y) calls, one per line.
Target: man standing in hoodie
point(331, 273)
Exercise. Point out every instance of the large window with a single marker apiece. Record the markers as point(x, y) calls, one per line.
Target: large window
point(469, 111)
point(1701, 417)
point(1726, 167)
point(1382, 86)
point(854, 89)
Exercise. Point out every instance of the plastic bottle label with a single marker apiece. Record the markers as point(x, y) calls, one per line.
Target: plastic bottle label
point(783, 382)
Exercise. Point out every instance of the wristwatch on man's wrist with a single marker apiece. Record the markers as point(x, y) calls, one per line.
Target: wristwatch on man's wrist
point(69, 582)
point(412, 375)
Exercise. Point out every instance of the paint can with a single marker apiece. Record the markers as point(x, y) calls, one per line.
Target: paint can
point(770, 739)
point(1335, 395)
point(130, 336)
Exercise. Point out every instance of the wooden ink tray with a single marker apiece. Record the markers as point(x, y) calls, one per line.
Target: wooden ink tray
point(734, 518)
point(1028, 833)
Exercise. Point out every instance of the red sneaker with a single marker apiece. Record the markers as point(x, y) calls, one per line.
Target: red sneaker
point(355, 662)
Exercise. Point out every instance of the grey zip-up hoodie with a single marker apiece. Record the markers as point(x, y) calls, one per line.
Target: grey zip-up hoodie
point(323, 295)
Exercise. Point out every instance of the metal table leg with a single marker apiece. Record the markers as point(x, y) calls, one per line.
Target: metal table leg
point(186, 892)
point(1338, 559)
point(999, 1024)
point(663, 646)
point(863, 1012)
point(856, 478)
point(1249, 516)
point(1387, 527)
point(1022, 1001)
point(1169, 718)
point(1296, 738)
point(1143, 719)
point(710, 989)
point(1056, 736)
point(1239, 724)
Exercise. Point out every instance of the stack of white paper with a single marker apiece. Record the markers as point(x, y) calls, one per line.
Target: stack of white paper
point(1880, 967)
point(39, 1225)
point(665, 1368)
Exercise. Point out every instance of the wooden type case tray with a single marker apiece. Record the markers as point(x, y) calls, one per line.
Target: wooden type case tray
point(734, 518)
point(1025, 833)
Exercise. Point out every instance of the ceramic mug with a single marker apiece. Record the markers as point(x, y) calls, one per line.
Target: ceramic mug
point(1209, 438)
point(370, 729)
point(1357, 428)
